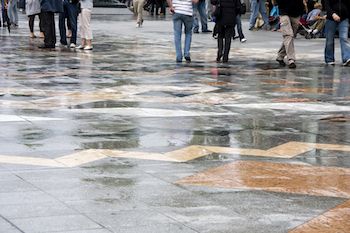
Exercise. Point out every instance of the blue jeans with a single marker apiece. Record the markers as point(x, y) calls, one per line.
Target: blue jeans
point(199, 10)
point(331, 27)
point(239, 27)
point(70, 11)
point(178, 20)
point(257, 7)
point(12, 12)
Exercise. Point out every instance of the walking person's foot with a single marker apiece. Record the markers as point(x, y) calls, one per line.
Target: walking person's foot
point(281, 62)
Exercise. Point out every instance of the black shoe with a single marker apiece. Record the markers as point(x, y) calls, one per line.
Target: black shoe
point(188, 59)
point(281, 62)
point(292, 65)
point(44, 46)
point(207, 31)
point(196, 32)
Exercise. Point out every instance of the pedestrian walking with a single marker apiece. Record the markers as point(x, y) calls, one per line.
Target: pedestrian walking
point(138, 10)
point(84, 24)
point(48, 9)
point(258, 6)
point(13, 13)
point(33, 8)
point(200, 13)
point(338, 14)
point(182, 11)
point(290, 12)
point(70, 11)
point(226, 12)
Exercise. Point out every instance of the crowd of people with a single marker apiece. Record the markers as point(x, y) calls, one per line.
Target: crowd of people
point(285, 16)
point(68, 10)
point(325, 18)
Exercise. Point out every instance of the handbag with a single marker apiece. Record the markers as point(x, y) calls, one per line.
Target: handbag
point(217, 11)
point(243, 9)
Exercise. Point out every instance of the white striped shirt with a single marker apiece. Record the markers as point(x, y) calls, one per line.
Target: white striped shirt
point(183, 7)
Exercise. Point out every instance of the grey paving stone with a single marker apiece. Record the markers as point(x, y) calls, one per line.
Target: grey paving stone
point(29, 197)
point(32, 210)
point(16, 186)
point(55, 223)
point(6, 227)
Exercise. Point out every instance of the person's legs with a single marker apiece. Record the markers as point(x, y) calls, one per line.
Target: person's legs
point(12, 12)
point(239, 27)
point(330, 28)
point(62, 25)
point(195, 18)
point(72, 10)
point(254, 13)
point(177, 21)
point(220, 48)
point(203, 15)
point(188, 21)
point(262, 10)
point(31, 24)
point(288, 39)
point(139, 12)
point(228, 38)
point(86, 19)
point(15, 13)
point(49, 29)
point(344, 43)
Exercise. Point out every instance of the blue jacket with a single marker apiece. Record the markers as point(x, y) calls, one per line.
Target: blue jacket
point(54, 6)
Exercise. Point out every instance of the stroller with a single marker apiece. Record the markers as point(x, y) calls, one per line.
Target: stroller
point(311, 29)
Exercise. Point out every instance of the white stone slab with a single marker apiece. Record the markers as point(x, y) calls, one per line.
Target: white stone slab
point(13, 118)
point(308, 107)
point(148, 112)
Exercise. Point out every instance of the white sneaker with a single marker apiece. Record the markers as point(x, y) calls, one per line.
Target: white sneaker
point(243, 40)
point(347, 63)
point(72, 46)
point(88, 47)
point(80, 47)
point(332, 63)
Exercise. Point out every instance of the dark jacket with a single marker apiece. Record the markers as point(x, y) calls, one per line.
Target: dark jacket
point(54, 6)
point(340, 7)
point(228, 12)
point(293, 8)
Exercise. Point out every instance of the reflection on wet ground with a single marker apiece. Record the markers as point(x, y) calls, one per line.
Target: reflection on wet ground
point(123, 139)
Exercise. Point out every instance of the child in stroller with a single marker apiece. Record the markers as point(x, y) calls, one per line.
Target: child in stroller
point(314, 22)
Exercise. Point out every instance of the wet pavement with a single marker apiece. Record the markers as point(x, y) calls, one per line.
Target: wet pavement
point(123, 139)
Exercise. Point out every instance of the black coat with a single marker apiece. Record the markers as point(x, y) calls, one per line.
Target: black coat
point(54, 6)
point(293, 8)
point(340, 7)
point(228, 11)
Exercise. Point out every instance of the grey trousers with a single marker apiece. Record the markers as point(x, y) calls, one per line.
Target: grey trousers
point(289, 26)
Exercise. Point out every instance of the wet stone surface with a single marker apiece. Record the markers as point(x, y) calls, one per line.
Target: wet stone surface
point(134, 113)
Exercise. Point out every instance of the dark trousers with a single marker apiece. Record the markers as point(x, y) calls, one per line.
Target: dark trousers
point(5, 17)
point(70, 12)
point(224, 42)
point(31, 23)
point(48, 26)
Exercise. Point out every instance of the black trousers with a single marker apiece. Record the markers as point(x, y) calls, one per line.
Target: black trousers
point(225, 34)
point(48, 26)
point(31, 23)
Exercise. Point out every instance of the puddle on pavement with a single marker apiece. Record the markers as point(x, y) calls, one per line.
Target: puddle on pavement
point(111, 181)
point(109, 167)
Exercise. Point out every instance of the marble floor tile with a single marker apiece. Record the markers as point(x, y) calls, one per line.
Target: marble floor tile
point(276, 177)
point(334, 220)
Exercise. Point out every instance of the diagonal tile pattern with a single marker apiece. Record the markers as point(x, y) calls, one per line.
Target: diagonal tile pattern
point(276, 177)
point(287, 150)
point(335, 220)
